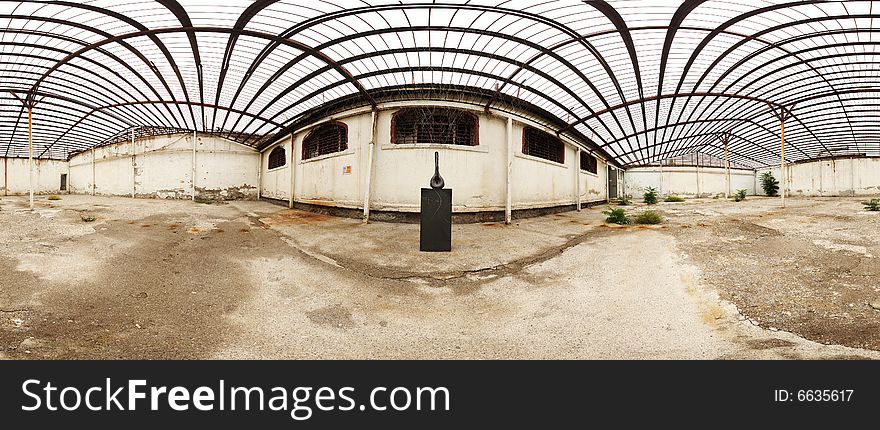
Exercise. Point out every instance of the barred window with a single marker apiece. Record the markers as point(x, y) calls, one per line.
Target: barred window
point(589, 163)
point(277, 158)
point(441, 126)
point(543, 145)
point(325, 139)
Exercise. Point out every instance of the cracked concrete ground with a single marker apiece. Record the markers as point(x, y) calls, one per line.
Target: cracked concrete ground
point(175, 279)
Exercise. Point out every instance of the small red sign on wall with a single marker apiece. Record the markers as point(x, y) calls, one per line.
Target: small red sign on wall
point(346, 170)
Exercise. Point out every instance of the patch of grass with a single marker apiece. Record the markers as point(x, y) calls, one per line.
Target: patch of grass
point(872, 205)
point(87, 218)
point(674, 199)
point(616, 216)
point(205, 201)
point(648, 217)
point(53, 197)
point(650, 196)
point(739, 195)
point(624, 201)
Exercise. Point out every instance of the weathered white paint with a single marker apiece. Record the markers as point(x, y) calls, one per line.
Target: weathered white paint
point(164, 166)
point(832, 177)
point(15, 173)
point(478, 175)
point(689, 181)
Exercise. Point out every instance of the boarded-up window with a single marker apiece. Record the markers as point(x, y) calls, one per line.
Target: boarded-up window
point(543, 145)
point(440, 126)
point(277, 158)
point(589, 163)
point(325, 139)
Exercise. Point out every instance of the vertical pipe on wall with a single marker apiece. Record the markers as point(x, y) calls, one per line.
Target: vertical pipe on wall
point(508, 204)
point(577, 177)
point(368, 174)
point(5, 176)
point(195, 142)
point(291, 171)
point(31, 156)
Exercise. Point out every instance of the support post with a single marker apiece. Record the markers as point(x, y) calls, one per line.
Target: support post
point(291, 195)
point(577, 177)
point(782, 160)
point(368, 174)
point(133, 167)
point(5, 176)
point(727, 164)
point(508, 204)
point(195, 142)
point(94, 185)
point(31, 156)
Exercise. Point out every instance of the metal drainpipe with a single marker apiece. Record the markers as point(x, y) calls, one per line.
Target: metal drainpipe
point(508, 205)
point(369, 173)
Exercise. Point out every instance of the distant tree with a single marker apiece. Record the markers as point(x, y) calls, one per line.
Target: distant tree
point(650, 195)
point(769, 184)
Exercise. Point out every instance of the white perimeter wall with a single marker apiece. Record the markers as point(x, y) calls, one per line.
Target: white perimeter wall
point(162, 166)
point(838, 177)
point(688, 181)
point(14, 174)
point(477, 174)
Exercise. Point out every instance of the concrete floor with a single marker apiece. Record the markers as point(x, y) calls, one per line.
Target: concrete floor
point(176, 279)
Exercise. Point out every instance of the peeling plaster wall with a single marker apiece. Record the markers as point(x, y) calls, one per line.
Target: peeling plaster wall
point(477, 174)
point(162, 166)
point(832, 177)
point(688, 181)
point(14, 174)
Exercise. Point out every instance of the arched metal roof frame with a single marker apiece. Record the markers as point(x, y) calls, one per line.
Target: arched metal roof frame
point(257, 70)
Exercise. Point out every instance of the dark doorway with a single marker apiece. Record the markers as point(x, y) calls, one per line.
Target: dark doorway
point(64, 182)
point(612, 183)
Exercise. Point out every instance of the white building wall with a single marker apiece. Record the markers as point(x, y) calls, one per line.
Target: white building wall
point(477, 174)
point(162, 167)
point(688, 181)
point(15, 173)
point(833, 177)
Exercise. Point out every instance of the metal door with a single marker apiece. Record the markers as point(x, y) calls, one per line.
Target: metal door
point(612, 183)
point(63, 182)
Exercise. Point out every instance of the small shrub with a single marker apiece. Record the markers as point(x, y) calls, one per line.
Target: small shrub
point(624, 201)
point(648, 217)
point(674, 199)
point(872, 205)
point(650, 195)
point(87, 218)
point(769, 184)
point(739, 196)
point(53, 197)
point(616, 216)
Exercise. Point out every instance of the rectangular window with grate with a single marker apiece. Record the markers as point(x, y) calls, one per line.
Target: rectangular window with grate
point(439, 126)
point(543, 145)
point(589, 163)
point(325, 139)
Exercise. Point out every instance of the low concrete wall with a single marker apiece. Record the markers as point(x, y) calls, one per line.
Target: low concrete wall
point(162, 167)
point(832, 177)
point(15, 173)
point(688, 181)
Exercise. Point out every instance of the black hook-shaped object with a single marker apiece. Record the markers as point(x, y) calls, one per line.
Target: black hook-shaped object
point(437, 181)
